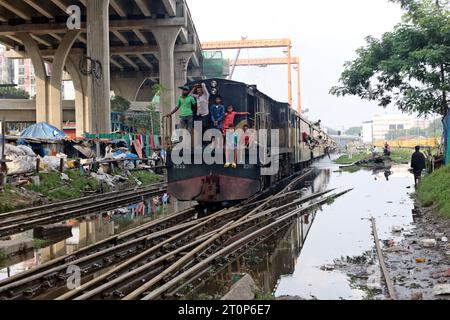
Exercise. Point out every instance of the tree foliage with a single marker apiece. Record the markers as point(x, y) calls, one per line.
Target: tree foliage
point(354, 131)
point(432, 131)
point(13, 93)
point(147, 122)
point(119, 104)
point(408, 66)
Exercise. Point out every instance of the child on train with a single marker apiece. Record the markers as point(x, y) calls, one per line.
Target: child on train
point(230, 115)
point(217, 112)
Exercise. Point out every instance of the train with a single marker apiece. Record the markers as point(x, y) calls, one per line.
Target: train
point(300, 143)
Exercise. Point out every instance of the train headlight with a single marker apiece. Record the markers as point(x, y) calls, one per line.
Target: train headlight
point(214, 84)
point(214, 91)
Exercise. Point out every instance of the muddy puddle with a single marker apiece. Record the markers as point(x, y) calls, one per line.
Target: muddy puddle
point(87, 231)
point(321, 255)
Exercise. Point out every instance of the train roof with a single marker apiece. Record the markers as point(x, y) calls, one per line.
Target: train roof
point(255, 87)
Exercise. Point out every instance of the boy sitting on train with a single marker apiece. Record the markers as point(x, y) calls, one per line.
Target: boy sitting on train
point(217, 112)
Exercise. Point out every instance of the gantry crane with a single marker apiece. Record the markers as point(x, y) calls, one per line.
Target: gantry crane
point(256, 44)
point(295, 61)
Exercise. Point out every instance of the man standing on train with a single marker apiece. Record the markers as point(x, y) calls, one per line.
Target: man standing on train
point(201, 94)
point(187, 105)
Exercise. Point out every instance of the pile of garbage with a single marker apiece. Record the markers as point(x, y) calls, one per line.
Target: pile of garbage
point(22, 160)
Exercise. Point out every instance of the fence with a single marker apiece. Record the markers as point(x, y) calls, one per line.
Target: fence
point(411, 143)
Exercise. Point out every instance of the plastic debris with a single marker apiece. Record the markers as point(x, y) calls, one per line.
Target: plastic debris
point(327, 267)
point(444, 239)
point(442, 289)
point(428, 243)
point(421, 260)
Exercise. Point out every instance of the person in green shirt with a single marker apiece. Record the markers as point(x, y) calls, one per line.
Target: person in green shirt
point(186, 104)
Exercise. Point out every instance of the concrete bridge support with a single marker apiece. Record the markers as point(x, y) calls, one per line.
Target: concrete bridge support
point(181, 67)
point(80, 82)
point(128, 86)
point(98, 49)
point(166, 38)
point(48, 88)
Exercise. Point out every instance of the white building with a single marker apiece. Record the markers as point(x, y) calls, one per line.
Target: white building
point(367, 132)
point(379, 127)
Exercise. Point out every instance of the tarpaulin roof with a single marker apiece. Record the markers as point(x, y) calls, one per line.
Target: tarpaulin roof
point(42, 130)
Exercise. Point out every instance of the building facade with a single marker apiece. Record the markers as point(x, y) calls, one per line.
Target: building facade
point(381, 125)
point(24, 76)
point(6, 68)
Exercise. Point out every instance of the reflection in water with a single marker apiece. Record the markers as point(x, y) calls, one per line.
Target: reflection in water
point(290, 265)
point(275, 258)
point(92, 229)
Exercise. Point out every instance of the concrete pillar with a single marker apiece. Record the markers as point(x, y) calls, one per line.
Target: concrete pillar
point(181, 65)
point(33, 52)
point(98, 49)
point(59, 61)
point(82, 112)
point(166, 38)
point(128, 86)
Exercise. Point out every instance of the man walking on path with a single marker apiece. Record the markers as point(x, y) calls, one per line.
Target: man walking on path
point(418, 164)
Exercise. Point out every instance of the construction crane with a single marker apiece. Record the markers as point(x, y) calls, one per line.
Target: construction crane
point(233, 66)
point(264, 62)
point(256, 44)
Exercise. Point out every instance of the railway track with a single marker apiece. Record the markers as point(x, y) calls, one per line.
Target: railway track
point(21, 220)
point(159, 236)
point(136, 263)
point(123, 280)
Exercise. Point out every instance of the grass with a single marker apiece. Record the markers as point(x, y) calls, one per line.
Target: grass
point(54, 188)
point(10, 200)
point(2, 255)
point(398, 156)
point(147, 177)
point(262, 295)
point(344, 159)
point(434, 190)
point(401, 156)
point(40, 243)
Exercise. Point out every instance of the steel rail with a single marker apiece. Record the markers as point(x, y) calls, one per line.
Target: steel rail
point(74, 203)
point(239, 243)
point(136, 261)
point(246, 219)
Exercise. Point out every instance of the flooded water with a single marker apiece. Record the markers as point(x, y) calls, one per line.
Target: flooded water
point(89, 230)
point(291, 265)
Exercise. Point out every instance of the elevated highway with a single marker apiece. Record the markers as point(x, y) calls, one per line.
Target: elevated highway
point(136, 43)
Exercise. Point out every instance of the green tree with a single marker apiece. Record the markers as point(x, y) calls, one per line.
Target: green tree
point(145, 122)
point(119, 104)
point(354, 131)
point(408, 66)
point(10, 92)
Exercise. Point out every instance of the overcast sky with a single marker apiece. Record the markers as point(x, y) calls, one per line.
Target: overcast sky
point(325, 34)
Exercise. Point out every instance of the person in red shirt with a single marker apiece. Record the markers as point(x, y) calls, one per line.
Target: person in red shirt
point(228, 121)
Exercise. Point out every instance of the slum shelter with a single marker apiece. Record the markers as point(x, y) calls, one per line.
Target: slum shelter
point(142, 145)
point(38, 145)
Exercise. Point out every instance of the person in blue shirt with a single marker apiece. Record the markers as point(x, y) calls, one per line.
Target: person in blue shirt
point(217, 111)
